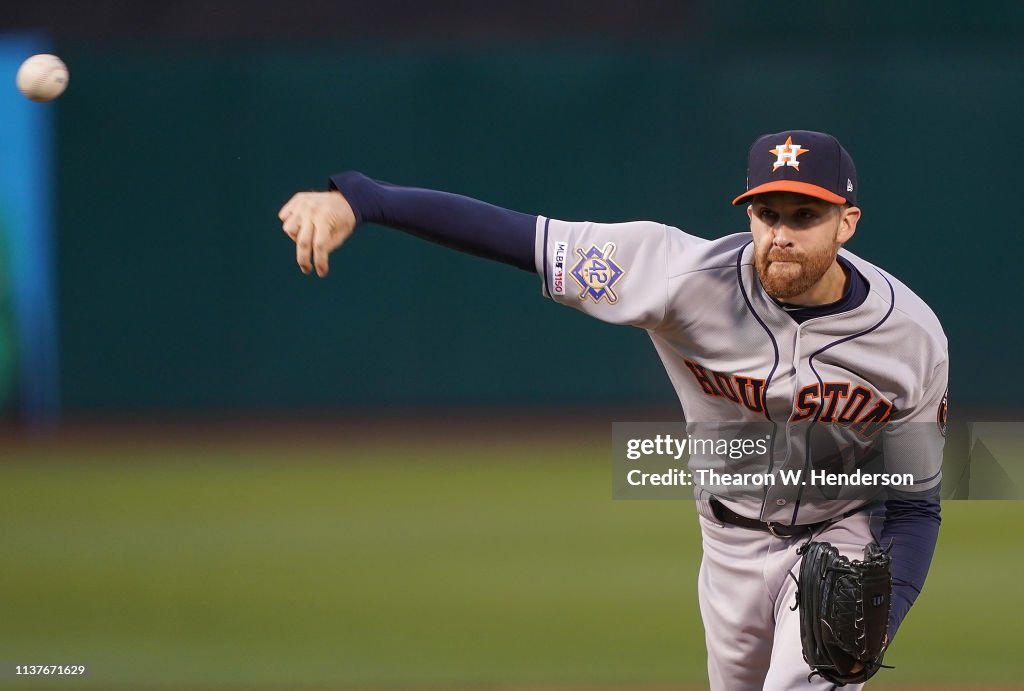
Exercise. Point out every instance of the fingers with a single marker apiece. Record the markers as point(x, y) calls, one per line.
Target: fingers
point(291, 225)
point(304, 243)
point(321, 247)
point(290, 220)
point(298, 223)
point(286, 210)
point(318, 223)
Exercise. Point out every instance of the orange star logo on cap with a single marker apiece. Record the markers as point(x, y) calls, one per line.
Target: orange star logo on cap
point(786, 154)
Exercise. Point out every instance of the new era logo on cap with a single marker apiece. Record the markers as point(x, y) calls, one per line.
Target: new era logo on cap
point(801, 161)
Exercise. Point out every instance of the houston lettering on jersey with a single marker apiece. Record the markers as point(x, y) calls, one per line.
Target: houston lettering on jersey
point(861, 411)
point(745, 391)
point(842, 403)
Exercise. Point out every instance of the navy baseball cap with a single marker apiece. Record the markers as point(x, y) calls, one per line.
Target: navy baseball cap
point(801, 161)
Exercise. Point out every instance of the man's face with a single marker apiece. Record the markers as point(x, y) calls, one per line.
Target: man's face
point(796, 239)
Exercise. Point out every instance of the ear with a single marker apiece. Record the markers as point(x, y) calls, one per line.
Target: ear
point(848, 218)
point(750, 211)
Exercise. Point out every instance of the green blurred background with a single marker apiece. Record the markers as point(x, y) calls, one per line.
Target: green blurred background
point(324, 557)
point(397, 477)
point(174, 163)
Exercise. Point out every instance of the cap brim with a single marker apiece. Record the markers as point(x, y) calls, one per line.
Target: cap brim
point(792, 186)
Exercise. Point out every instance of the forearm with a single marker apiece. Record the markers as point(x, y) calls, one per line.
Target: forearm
point(462, 223)
point(912, 528)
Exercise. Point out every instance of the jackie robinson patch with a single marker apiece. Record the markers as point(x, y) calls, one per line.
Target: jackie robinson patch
point(597, 273)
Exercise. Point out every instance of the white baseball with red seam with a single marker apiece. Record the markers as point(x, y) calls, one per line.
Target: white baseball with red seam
point(42, 77)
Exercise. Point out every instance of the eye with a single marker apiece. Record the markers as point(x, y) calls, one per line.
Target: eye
point(767, 215)
point(806, 215)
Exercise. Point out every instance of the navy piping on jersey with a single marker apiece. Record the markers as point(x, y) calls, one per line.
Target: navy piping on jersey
point(856, 293)
point(817, 375)
point(775, 344)
point(545, 253)
point(932, 477)
point(775, 365)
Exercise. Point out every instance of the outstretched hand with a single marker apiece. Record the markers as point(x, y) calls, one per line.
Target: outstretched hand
point(318, 223)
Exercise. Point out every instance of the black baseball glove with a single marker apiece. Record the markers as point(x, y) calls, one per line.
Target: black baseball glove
point(844, 612)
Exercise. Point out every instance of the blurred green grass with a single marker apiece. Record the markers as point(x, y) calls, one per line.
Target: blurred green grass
point(353, 564)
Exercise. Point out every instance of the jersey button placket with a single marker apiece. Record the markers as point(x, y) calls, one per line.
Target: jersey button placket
point(778, 495)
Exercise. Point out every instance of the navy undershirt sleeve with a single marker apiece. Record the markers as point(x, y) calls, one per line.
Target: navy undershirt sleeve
point(912, 528)
point(462, 223)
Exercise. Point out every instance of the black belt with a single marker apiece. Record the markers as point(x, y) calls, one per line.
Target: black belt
point(726, 515)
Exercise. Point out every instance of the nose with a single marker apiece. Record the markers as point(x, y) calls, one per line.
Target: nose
point(782, 235)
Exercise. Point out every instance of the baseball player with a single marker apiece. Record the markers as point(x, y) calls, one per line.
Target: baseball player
point(778, 328)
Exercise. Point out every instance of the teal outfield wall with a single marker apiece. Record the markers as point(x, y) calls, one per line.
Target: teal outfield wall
point(177, 289)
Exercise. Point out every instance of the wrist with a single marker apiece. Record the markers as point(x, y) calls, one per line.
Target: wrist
point(357, 190)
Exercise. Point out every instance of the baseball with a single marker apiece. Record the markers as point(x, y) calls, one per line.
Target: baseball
point(42, 77)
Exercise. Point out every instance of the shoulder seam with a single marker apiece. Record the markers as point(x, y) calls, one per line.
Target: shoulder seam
point(699, 269)
point(933, 337)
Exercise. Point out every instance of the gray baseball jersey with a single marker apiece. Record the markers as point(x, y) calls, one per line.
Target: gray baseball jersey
point(822, 389)
point(738, 361)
